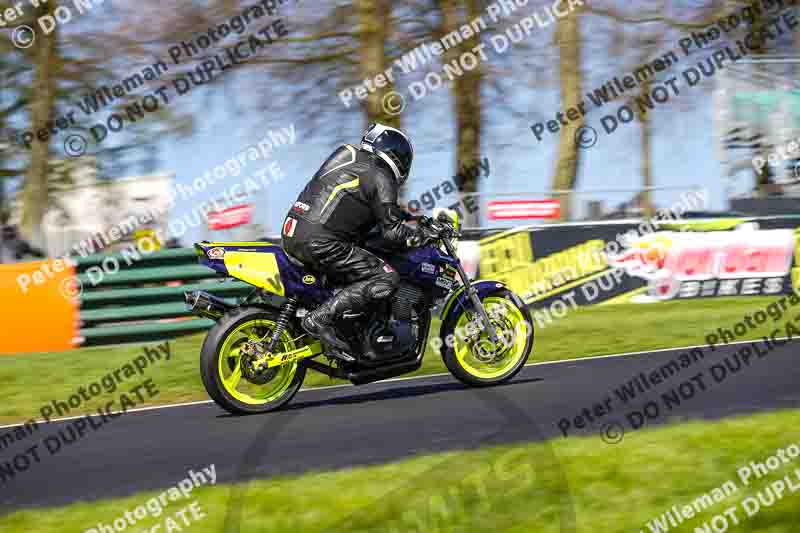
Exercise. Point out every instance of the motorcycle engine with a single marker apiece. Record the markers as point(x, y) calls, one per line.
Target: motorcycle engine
point(390, 338)
point(397, 334)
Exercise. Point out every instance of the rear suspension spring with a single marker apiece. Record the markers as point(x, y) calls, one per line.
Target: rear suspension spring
point(287, 311)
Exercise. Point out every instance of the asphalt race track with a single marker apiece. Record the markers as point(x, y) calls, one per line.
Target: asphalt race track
point(345, 426)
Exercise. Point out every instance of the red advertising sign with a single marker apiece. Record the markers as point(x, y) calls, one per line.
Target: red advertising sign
point(710, 263)
point(516, 209)
point(231, 217)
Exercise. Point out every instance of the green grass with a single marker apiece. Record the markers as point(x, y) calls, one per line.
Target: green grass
point(522, 488)
point(30, 381)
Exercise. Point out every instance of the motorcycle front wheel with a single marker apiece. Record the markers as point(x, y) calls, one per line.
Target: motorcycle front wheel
point(468, 351)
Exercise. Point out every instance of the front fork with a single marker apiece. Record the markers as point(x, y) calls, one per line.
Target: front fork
point(472, 294)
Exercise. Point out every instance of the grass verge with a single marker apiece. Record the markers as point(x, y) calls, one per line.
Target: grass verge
point(31, 381)
point(522, 488)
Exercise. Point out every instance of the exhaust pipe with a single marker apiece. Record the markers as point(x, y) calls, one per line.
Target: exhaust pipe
point(206, 305)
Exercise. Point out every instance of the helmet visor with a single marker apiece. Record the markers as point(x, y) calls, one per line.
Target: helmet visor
point(372, 133)
point(401, 152)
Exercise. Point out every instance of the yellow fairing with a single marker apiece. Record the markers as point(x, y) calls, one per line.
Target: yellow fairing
point(796, 269)
point(256, 268)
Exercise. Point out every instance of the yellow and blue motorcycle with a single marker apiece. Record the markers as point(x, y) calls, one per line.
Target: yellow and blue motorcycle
point(255, 357)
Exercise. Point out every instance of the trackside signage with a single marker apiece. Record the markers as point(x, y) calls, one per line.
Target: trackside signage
point(575, 265)
point(232, 217)
point(725, 263)
point(524, 209)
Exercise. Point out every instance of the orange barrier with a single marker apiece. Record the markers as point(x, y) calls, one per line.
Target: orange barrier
point(39, 312)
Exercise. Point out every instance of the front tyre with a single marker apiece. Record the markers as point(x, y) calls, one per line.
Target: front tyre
point(468, 351)
point(233, 387)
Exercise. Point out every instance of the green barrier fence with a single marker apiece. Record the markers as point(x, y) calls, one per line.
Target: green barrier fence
point(127, 298)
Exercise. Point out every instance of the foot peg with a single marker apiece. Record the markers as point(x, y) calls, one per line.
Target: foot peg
point(333, 352)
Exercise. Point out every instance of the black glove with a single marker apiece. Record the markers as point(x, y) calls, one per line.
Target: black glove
point(417, 240)
point(423, 237)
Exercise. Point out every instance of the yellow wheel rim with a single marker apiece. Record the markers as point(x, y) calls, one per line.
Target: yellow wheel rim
point(230, 360)
point(477, 354)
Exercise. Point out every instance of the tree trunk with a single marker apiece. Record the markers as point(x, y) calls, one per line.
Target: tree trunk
point(762, 177)
point(375, 20)
point(466, 95)
point(568, 37)
point(645, 155)
point(35, 194)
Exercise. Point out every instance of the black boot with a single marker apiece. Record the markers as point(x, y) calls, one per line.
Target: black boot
point(320, 322)
point(325, 332)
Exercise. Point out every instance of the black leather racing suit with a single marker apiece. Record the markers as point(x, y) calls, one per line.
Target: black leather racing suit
point(348, 196)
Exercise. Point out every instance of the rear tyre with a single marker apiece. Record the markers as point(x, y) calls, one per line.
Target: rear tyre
point(469, 353)
point(221, 362)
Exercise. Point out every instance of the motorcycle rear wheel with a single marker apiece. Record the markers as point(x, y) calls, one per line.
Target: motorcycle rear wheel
point(221, 364)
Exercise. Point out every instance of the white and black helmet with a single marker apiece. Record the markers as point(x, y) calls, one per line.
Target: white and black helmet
point(392, 146)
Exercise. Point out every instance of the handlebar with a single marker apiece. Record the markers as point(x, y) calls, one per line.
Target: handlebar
point(437, 229)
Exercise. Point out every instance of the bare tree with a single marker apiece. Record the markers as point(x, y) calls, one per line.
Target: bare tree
point(645, 152)
point(64, 66)
point(692, 18)
point(375, 23)
point(466, 94)
point(568, 37)
point(46, 66)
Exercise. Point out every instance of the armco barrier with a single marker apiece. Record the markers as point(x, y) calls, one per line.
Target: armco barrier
point(567, 265)
point(125, 300)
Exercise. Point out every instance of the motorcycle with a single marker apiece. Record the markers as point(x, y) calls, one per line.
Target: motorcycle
point(255, 357)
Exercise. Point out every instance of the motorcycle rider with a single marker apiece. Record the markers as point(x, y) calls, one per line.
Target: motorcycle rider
point(354, 190)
